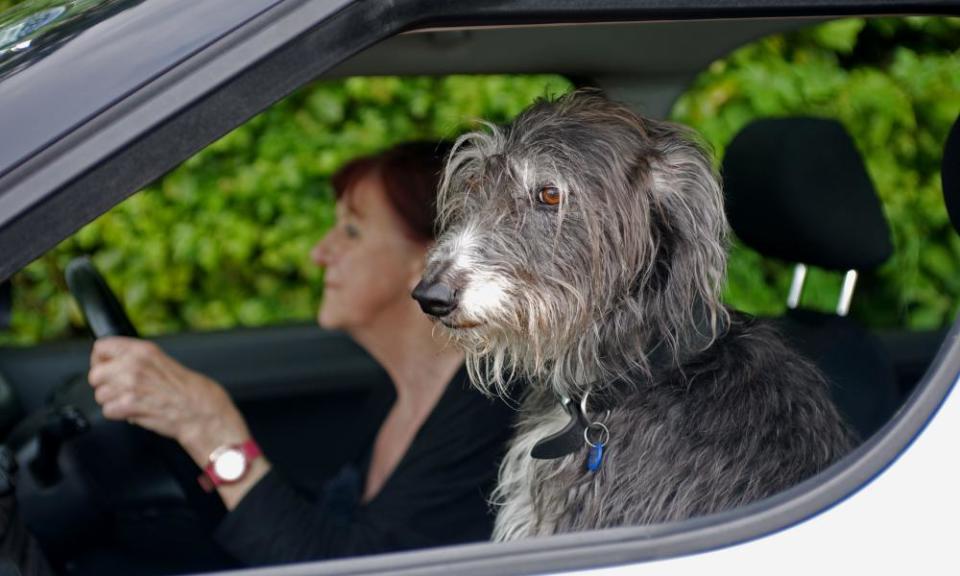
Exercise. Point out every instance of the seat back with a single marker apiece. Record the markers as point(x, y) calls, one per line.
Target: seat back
point(797, 190)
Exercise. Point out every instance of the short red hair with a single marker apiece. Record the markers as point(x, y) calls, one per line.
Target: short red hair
point(410, 174)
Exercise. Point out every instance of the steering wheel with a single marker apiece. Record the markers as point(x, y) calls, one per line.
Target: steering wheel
point(102, 311)
point(105, 316)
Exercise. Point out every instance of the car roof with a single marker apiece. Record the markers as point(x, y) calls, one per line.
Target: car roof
point(73, 65)
point(110, 101)
point(76, 64)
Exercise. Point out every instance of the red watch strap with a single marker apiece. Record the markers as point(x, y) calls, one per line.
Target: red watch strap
point(250, 449)
point(206, 480)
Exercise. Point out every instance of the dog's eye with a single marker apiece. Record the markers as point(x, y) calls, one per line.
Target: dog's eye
point(549, 195)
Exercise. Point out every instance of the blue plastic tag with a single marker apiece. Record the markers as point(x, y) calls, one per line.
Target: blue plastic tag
point(595, 458)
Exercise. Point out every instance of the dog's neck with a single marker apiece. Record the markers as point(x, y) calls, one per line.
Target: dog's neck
point(601, 396)
point(664, 355)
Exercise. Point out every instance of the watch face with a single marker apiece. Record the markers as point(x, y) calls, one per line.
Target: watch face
point(230, 465)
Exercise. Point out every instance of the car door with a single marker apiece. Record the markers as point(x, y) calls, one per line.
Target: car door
point(312, 398)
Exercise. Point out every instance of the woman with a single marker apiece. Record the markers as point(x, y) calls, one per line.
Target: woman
point(433, 461)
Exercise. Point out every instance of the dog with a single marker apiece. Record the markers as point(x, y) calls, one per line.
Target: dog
point(582, 254)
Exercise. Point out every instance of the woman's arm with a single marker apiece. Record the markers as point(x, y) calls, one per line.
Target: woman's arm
point(436, 495)
point(270, 522)
point(136, 381)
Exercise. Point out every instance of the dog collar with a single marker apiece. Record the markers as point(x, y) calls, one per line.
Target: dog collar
point(565, 441)
point(576, 433)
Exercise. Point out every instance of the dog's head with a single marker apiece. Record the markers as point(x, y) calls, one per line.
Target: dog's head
point(572, 241)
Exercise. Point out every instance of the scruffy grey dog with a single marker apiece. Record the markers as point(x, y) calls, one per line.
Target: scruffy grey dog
point(582, 253)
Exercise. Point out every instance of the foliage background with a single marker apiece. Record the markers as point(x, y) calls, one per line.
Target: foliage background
point(223, 240)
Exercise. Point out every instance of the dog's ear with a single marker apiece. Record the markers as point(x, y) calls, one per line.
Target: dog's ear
point(688, 227)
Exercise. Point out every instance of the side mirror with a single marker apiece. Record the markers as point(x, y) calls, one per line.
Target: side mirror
point(6, 304)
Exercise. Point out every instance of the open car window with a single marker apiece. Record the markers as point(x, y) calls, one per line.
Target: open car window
point(221, 240)
point(224, 240)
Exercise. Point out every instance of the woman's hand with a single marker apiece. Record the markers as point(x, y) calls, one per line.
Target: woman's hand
point(134, 380)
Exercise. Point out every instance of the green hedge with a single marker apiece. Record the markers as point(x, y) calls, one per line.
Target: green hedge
point(223, 240)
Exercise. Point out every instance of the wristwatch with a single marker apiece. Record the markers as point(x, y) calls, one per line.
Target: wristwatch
point(228, 464)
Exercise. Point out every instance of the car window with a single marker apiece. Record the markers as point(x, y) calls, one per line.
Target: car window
point(224, 239)
point(252, 203)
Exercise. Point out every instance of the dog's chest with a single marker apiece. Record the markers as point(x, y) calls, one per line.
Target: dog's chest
point(542, 496)
point(634, 479)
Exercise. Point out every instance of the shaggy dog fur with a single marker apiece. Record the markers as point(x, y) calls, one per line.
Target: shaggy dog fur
point(583, 250)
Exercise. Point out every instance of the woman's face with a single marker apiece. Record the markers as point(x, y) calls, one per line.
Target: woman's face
point(371, 265)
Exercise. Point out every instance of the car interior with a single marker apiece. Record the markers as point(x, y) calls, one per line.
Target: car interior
point(797, 191)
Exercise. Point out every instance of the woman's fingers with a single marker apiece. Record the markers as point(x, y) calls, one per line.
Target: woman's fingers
point(121, 407)
point(129, 380)
point(122, 369)
point(147, 408)
point(105, 349)
point(134, 380)
point(106, 393)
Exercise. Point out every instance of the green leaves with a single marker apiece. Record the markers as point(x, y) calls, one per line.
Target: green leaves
point(838, 36)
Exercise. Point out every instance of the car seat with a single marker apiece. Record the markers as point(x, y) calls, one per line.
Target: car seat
point(796, 189)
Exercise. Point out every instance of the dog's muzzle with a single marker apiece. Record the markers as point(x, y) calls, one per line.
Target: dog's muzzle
point(435, 298)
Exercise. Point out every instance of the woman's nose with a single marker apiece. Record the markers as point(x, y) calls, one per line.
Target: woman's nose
point(320, 253)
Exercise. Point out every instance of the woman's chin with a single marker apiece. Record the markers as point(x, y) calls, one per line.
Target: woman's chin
point(327, 321)
point(332, 319)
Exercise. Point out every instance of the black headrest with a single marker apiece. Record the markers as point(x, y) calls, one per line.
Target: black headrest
point(951, 174)
point(797, 189)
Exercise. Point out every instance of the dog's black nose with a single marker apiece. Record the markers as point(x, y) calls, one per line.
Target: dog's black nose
point(436, 299)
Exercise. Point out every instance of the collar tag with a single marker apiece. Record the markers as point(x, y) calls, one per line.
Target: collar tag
point(567, 440)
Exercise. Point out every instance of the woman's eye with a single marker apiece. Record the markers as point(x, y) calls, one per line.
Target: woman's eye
point(351, 230)
point(549, 196)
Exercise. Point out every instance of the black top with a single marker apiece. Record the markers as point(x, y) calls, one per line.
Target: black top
point(438, 493)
